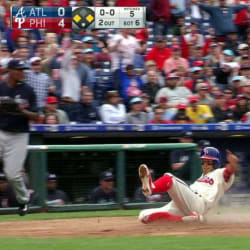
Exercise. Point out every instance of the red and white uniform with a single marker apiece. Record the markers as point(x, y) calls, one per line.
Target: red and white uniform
point(199, 197)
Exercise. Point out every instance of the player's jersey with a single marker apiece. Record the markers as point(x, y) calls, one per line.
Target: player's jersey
point(212, 186)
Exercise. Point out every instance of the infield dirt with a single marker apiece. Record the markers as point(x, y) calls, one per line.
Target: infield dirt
point(230, 225)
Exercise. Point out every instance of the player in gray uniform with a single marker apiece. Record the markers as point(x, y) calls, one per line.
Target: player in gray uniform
point(190, 203)
point(17, 107)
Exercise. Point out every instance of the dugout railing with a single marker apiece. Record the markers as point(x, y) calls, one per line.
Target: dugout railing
point(38, 161)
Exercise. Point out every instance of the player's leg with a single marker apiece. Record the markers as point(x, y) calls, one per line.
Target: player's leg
point(167, 213)
point(182, 196)
point(14, 154)
point(149, 187)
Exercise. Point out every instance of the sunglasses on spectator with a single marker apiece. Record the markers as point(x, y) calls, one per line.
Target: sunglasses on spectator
point(159, 113)
point(228, 93)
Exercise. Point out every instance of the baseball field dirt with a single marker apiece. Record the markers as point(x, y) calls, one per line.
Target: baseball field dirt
point(228, 225)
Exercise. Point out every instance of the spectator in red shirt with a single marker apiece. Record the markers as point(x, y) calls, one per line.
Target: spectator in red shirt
point(159, 53)
point(160, 11)
point(158, 116)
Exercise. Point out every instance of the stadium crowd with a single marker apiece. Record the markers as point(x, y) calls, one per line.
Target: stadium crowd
point(191, 64)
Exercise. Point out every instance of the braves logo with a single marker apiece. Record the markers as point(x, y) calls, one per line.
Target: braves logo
point(206, 179)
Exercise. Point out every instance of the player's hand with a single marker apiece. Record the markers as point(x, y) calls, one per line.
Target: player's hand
point(232, 159)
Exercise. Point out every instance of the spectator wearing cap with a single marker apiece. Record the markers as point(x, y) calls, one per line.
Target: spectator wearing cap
point(55, 196)
point(160, 11)
point(151, 86)
point(242, 107)
point(159, 53)
point(243, 51)
point(197, 112)
point(39, 81)
point(195, 77)
point(222, 17)
point(175, 61)
point(113, 111)
point(88, 61)
point(136, 114)
point(122, 48)
point(159, 113)
point(174, 94)
point(131, 85)
point(181, 117)
point(105, 192)
point(86, 110)
point(180, 159)
point(245, 72)
point(220, 111)
point(51, 107)
point(228, 59)
point(213, 58)
point(202, 90)
point(88, 42)
point(237, 84)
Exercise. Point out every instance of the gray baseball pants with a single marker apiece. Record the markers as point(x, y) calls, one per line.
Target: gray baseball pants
point(13, 147)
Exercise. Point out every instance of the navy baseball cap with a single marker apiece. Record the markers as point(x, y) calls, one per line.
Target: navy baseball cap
point(17, 64)
point(187, 134)
point(204, 143)
point(106, 176)
point(52, 177)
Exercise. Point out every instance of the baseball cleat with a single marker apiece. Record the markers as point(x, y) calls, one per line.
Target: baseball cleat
point(23, 209)
point(193, 218)
point(146, 180)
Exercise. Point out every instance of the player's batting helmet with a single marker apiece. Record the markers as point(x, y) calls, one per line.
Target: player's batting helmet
point(211, 153)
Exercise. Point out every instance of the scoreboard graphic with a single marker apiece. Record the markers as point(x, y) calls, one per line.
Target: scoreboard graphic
point(78, 18)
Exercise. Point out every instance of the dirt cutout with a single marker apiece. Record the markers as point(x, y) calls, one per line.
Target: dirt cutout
point(220, 224)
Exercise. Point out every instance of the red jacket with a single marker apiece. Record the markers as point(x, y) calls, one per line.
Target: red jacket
point(127, 3)
point(159, 56)
point(160, 9)
point(241, 17)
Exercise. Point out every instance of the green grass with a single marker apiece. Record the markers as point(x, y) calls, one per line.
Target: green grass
point(129, 243)
point(69, 215)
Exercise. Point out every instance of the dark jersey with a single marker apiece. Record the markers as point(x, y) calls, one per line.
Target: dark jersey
point(57, 195)
point(17, 122)
point(98, 196)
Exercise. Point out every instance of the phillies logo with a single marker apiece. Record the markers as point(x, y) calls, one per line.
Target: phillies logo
point(206, 179)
